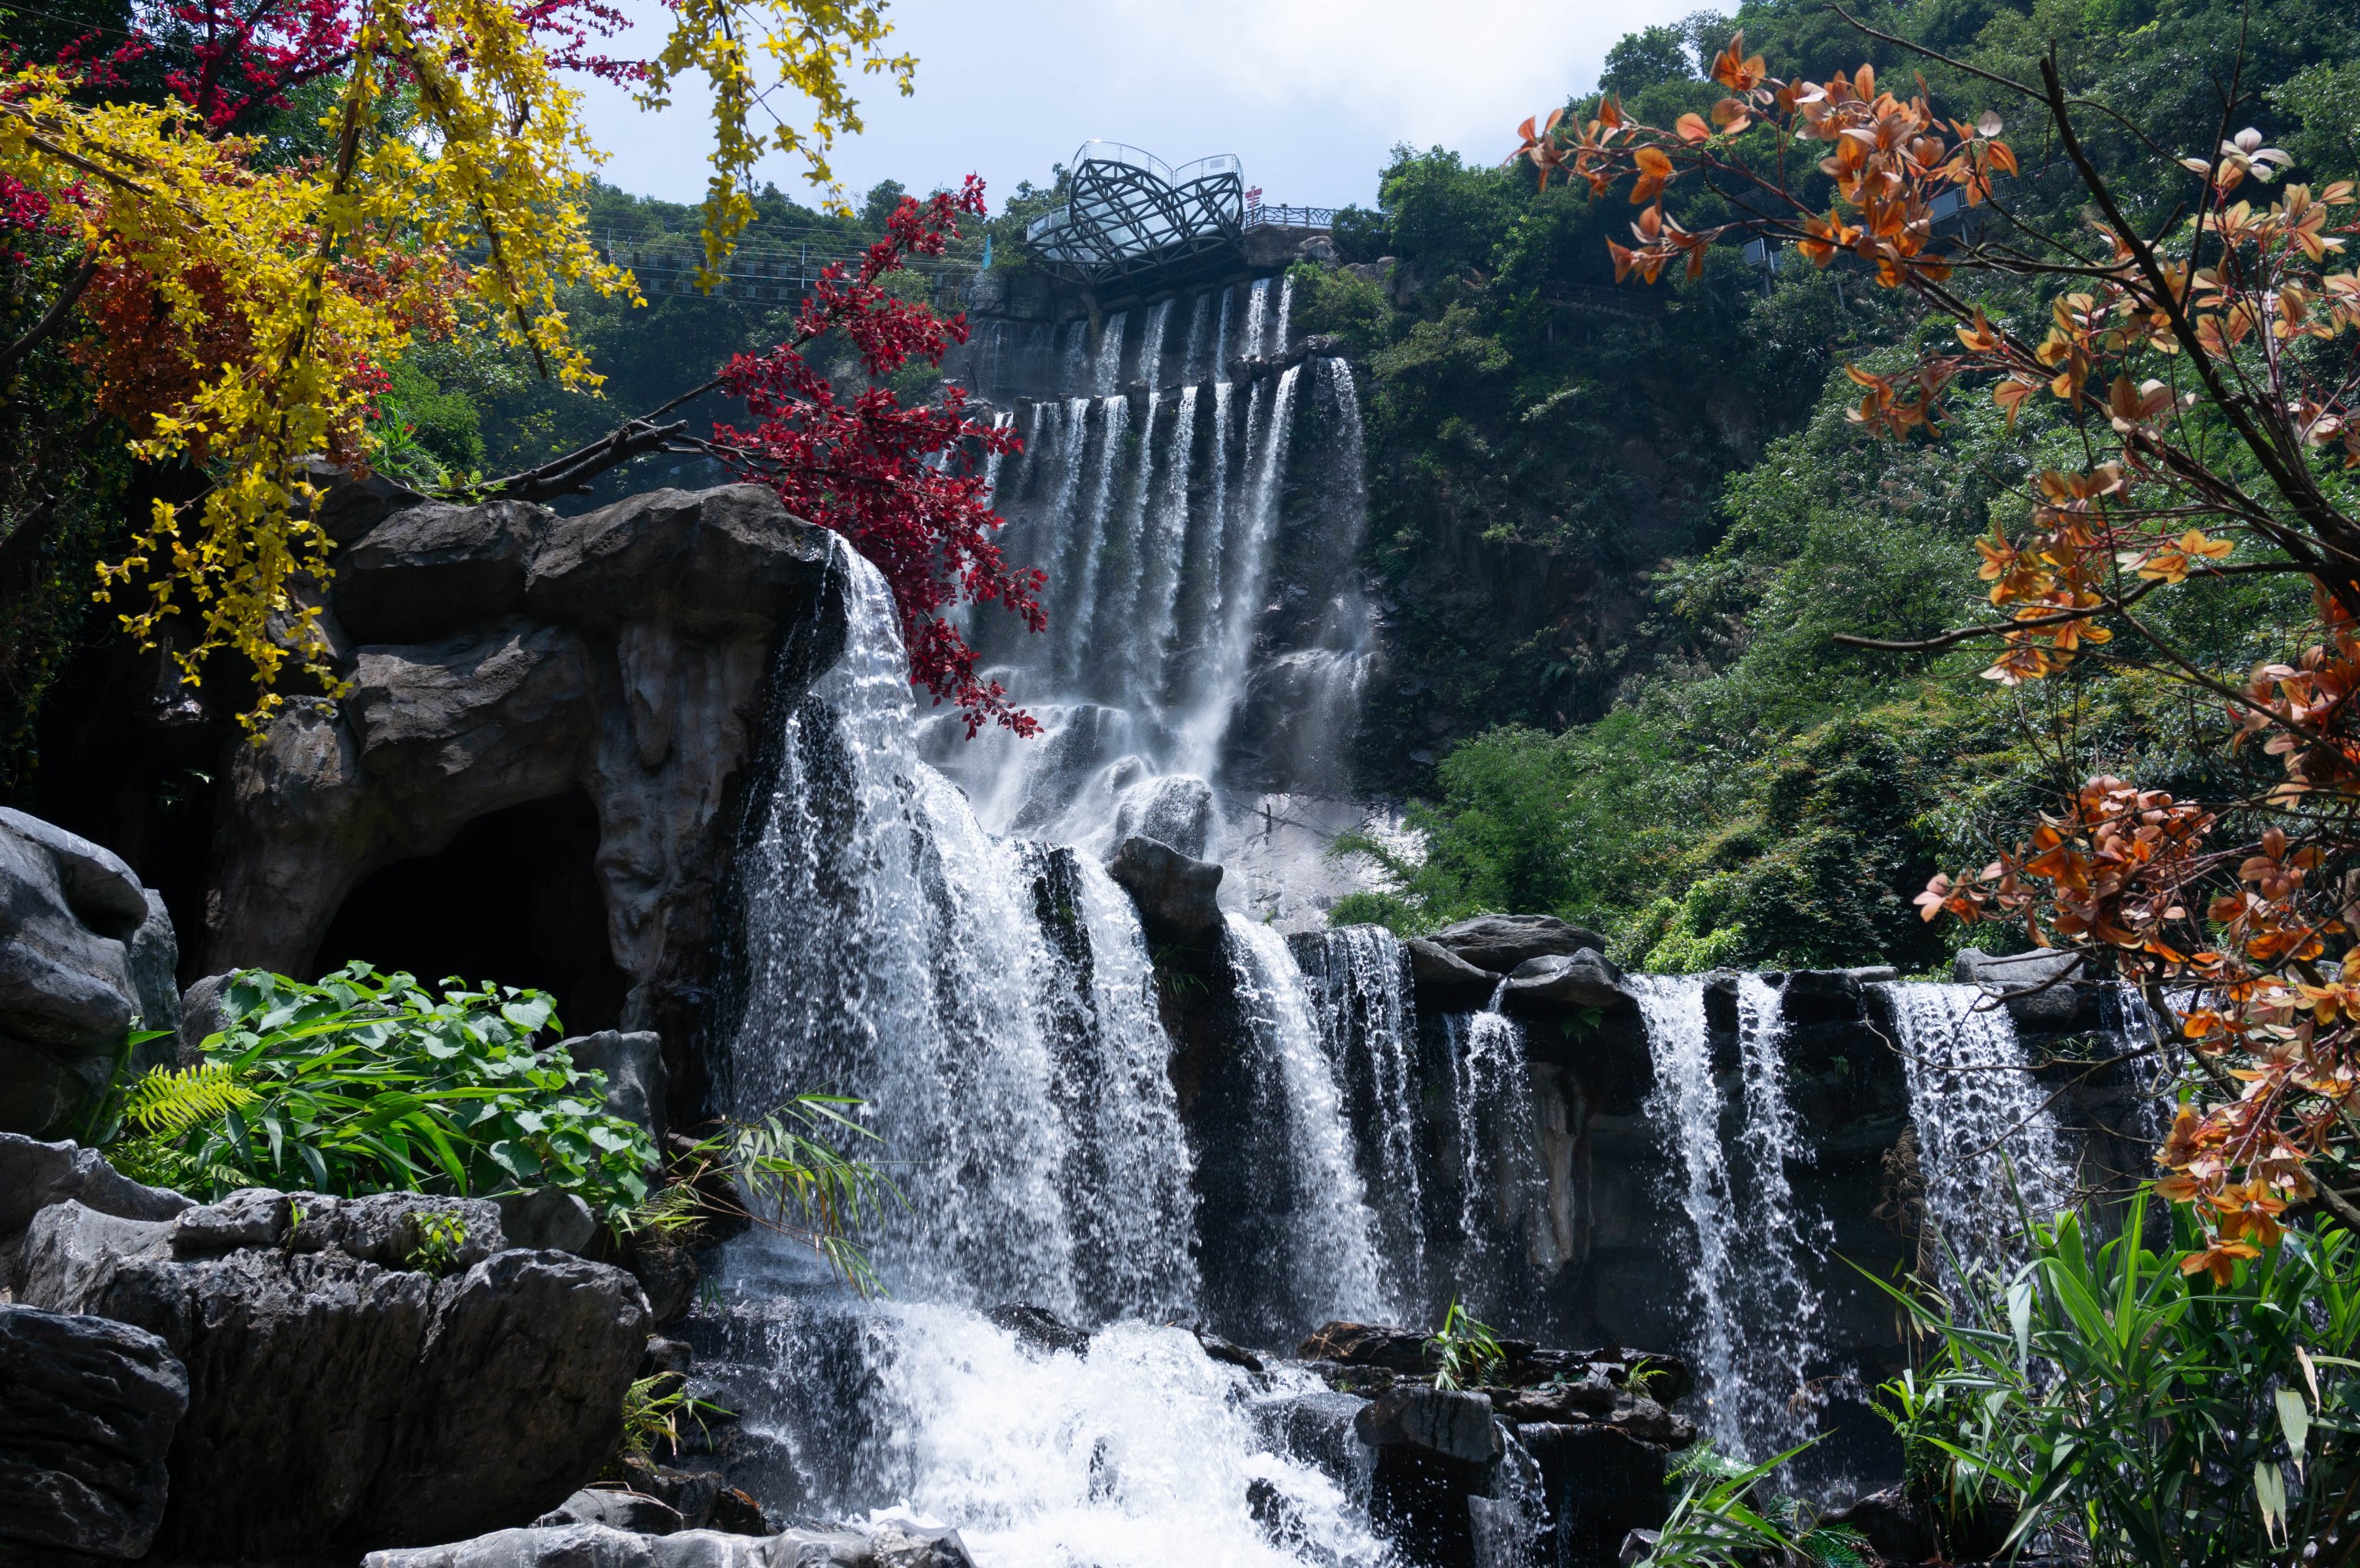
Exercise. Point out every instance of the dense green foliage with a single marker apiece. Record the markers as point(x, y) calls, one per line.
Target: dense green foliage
point(369, 1084)
point(2146, 1412)
point(1672, 747)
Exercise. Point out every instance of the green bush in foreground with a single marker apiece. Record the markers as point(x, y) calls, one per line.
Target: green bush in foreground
point(368, 1082)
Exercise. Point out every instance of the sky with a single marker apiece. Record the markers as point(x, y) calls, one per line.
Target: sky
point(1312, 94)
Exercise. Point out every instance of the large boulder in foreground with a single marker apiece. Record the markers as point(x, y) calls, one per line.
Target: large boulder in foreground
point(87, 1412)
point(340, 1399)
point(85, 953)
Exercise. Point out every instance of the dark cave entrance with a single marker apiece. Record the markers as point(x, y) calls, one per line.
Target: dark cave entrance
point(513, 898)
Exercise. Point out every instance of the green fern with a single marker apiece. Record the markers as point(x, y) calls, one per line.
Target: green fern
point(170, 1103)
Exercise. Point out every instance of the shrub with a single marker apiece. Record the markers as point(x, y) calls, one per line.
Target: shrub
point(367, 1083)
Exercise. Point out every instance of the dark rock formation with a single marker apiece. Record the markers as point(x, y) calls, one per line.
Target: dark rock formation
point(84, 951)
point(882, 1545)
point(1446, 980)
point(338, 1401)
point(501, 655)
point(1039, 1329)
point(1175, 892)
point(87, 1412)
point(1896, 1528)
point(633, 1511)
point(1557, 981)
point(1456, 1425)
point(1498, 943)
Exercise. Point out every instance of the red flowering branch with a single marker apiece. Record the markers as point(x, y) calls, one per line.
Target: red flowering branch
point(903, 482)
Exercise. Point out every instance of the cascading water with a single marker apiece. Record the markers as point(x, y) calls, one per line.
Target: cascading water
point(991, 1006)
point(1747, 1264)
point(1321, 1240)
point(1500, 1188)
point(1361, 983)
point(1988, 1150)
point(1210, 638)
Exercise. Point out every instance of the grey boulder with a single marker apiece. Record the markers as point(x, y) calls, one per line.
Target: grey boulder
point(888, 1544)
point(336, 1403)
point(1447, 979)
point(1557, 981)
point(1177, 893)
point(2043, 989)
point(1455, 1424)
point(1498, 943)
point(35, 1176)
point(83, 954)
point(87, 1412)
point(547, 1218)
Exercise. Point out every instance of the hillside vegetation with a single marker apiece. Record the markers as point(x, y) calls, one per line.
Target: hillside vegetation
point(1671, 745)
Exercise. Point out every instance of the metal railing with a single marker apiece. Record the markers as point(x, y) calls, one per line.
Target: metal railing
point(1263, 215)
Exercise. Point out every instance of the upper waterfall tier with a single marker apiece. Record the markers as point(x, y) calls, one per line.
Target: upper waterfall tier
point(1210, 633)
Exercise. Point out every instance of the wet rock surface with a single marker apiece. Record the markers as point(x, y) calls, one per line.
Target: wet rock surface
point(1175, 893)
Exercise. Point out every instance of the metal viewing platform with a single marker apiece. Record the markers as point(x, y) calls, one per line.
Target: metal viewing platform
point(1130, 214)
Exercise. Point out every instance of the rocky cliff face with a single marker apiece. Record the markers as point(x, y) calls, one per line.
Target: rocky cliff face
point(501, 655)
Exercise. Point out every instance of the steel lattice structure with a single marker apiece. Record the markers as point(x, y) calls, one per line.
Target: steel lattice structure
point(1130, 214)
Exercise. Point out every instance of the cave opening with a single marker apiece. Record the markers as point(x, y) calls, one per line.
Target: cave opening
point(513, 898)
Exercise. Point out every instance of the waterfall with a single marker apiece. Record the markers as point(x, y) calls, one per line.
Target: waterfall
point(1163, 535)
point(1323, 1248)
point(1089, 541)
point(1221, 344)
point(1105, 374)
point(1368, 1025)
point(1205, 603)
point(1151, 347)
point(1285, 307)
point(1191, 366)
point(1985, 1139)
point(1257, 317)
point(1501, 1187)
point(1746, 1249)
point(895, 952)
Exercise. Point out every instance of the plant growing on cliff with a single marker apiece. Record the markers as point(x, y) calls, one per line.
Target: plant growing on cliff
point(2200, 347)
point(366, 1083)
point(787, 1171)
point(1467, 1353)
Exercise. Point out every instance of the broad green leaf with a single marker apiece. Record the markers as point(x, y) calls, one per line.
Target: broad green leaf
point(2294, 1420)
point(2269, 1491)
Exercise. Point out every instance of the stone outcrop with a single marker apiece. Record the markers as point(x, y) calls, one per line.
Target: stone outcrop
point(886, 1544)
point(2044, 988)
point(339, 1397)
point(501, 655)
point(85, 954)
point(87, 1412)
point(34, 1176)
point(1175, 893)
point(1497, 945)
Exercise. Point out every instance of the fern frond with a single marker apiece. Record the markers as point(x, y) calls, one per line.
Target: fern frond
point(172, 1102)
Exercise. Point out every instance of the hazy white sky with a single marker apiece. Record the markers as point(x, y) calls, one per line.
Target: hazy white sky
point(1310, 93)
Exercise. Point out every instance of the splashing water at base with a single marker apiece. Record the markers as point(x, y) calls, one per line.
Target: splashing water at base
point(1142, 1453)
